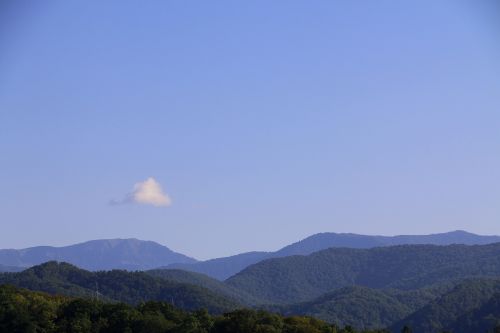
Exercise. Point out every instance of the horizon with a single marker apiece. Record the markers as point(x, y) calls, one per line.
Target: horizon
point(255, 250)
point(222, 128)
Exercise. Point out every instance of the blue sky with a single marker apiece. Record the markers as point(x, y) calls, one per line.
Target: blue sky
point(262, 121)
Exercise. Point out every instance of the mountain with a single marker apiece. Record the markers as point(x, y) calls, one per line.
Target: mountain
point(485, 318)
point(460, 306)
point(302, 278)
point(206, 282)
point(359, 307)
point(223, 268)
point(362, 307)
point(134, 254)
point(116, 285)
point(4, 268)
point(24, 311)
point(323, 241)
point(130, 254)
point(471, 305)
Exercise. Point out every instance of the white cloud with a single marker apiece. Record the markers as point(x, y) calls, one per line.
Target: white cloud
point(148, 192)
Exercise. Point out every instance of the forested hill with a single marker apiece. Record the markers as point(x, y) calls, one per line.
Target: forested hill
point(206, 282)
point(27, 311)
point(133, 254)
point(106, 254)
point(24, 311)
point(116, 285)
point(301, 278)
point(471, 306)
point(223, 268)
point(364, 308)
point(454, 305)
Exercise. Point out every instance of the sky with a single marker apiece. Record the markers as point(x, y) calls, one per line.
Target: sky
point(219, 127)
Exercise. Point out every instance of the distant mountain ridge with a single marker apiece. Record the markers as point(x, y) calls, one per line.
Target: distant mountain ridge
point(223, 268)
point(430, 288)
point(106, 254)
point(134, 254)
point(301, 278)
point(326, 240)
point(4, 268)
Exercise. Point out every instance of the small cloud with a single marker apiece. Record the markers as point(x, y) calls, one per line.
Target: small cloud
point(148, 192)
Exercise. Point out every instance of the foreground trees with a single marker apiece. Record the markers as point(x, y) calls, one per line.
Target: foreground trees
point(34, 312)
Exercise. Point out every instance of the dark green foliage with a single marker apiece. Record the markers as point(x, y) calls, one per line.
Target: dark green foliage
point(359, 307)
point(23, 311)
point(431, 295)
point(485, 318)
point(469, 304)
point(116, 285)
point(302, 278)
point(207, 282)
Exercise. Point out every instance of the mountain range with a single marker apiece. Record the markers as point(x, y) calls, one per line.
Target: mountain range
point(431, 288)
point(117, 286)
point(223, 268)
point(130, 254)
point(134, 254)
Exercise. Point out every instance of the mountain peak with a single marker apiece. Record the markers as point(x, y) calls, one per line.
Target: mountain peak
point(103, 254)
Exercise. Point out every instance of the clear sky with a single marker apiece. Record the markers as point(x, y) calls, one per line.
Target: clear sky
point(217, 127)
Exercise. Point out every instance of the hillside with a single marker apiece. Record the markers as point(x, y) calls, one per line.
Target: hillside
point(223, 268)
point(470, 305)
point(302, 278)
point(27, 311)
point(206, 282)
point(326, 240)
point(482, 319)
point(134, 254)
point(116, 285)
point(364, 308)
point(130, 254)
point(358, 307)
point(465, 306)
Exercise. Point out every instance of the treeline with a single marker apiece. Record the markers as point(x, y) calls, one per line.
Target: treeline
point(29, 312)
point(117, 286)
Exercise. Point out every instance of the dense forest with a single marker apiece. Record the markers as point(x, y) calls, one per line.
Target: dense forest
point(428, 288)
point(223, 268)
point(405, 267)
point(23, 311)
point(117, 286)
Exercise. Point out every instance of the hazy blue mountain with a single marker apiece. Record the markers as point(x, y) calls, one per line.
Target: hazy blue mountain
point(133, 254)
point(223, 268)
point(323, 241)
point(302, 278)
point(130, 254)
point(4, 268)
